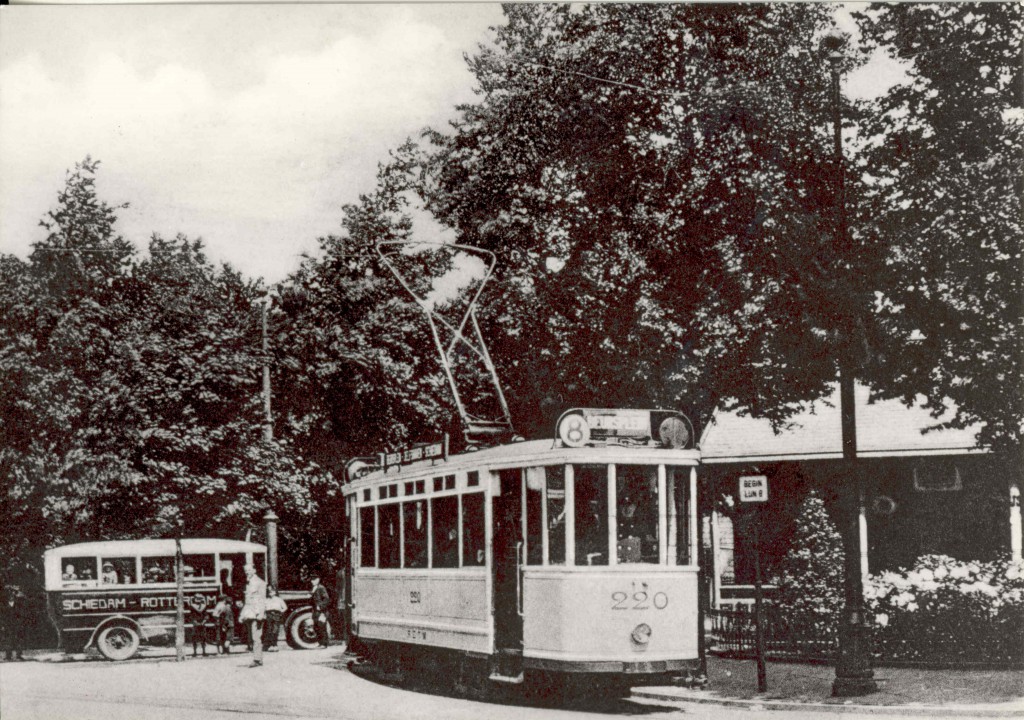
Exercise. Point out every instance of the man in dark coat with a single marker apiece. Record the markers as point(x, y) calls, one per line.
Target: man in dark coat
point(321, 605)
point(13, 623)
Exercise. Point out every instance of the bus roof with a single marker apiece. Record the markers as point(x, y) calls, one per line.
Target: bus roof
point(151, 546)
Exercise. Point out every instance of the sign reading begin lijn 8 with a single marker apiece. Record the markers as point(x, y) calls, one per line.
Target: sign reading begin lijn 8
point(754, 488)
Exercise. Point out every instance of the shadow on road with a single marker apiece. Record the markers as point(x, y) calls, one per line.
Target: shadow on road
point(560, 698)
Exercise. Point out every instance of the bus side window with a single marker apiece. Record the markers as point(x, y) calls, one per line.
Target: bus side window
point(198, 568)
point(157, 569)
point(118, 570)
point(473, 529)
point(79, 571)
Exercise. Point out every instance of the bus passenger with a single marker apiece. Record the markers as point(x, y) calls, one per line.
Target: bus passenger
point(109, 575)
point(69, 573)
point(87, 574)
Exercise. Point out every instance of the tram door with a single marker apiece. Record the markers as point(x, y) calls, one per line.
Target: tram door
point(507, 541)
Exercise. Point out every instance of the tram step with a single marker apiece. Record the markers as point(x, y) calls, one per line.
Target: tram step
point(507, 679)
point(507, 667)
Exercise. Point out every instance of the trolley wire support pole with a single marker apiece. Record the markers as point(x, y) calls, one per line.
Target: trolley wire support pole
point(854, 675)
point(179, 613)
point(475, 429)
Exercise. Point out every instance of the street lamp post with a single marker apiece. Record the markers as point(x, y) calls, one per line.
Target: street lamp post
point(854, 675)
point(268, 418)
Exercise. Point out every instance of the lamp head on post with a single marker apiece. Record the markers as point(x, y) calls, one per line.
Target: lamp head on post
point(833, 43)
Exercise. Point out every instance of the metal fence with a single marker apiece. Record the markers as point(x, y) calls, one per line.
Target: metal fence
point(733, 632)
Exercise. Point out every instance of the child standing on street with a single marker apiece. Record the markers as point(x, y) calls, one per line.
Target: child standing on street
point(276, 608)
point(224, 621)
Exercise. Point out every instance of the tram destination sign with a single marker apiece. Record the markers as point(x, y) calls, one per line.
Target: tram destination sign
point(587, 426)
point(753, 489)
point(428, 451)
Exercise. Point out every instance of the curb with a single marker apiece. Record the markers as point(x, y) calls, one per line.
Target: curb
point(683, 696)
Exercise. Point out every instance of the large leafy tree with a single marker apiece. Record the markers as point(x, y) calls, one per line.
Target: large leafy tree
point(129, 405)
point(944, 164)
point(657, 181)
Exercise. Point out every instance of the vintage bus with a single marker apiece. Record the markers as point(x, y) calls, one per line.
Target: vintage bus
point(116, 595)
point(572, 559)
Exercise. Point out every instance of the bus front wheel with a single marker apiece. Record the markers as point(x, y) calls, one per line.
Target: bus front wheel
point(301, 630)
point(118, 642)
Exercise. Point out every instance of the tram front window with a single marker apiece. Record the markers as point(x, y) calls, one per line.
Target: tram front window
point(534, 524)
point(444, 518)
point(389, 538)
point(415, 517)
point(472, 529)
point(555, 481)
point(367, 537)
point(679, 482)
point(637, 513)
point(591, 490)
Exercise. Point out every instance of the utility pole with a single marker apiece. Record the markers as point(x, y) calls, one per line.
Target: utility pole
point(268, 419)
point(854, 675)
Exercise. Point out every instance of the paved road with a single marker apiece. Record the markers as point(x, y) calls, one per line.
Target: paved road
point(311, 684)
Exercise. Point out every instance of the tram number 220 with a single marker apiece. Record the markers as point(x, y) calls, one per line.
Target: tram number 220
point(639, 600)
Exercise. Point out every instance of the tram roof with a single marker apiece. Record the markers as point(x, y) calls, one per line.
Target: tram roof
point(155, 546)
point(531, 453)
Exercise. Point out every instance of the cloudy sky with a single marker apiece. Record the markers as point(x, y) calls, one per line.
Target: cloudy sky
point(246, 125)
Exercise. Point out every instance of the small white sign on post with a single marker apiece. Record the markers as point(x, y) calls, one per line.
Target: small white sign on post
point(753, 488)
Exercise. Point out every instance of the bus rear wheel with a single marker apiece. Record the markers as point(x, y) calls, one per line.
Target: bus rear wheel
point(301, 630)
point(118, 642)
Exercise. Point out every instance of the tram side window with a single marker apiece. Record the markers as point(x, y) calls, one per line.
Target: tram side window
point(389, 539)
point(679, 478)
point(473, 529)
point(555, 479)
point(157, 569)
point(444, 518)
point(534, 522)
point(78, 571)
point(591, 493)
point(415, 533)
point(118, 570)
point(367, 537)
point(198, 568)
point(637, 513)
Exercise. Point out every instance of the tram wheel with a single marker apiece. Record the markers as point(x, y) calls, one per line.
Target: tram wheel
point(118, 642)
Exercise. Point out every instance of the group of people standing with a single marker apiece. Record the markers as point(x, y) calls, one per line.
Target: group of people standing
point(260, 611)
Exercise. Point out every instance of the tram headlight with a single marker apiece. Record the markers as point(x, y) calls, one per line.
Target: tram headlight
point(641, 634)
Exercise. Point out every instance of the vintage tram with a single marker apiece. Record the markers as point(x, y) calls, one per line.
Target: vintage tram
point(573, 558)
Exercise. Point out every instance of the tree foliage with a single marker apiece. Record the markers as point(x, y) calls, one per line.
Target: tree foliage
point(944, 163)
point(130, 405)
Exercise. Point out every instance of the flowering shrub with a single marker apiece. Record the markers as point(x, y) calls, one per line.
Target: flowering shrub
point(944, 610)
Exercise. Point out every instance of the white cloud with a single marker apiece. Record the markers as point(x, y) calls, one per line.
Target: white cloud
point(258, 164)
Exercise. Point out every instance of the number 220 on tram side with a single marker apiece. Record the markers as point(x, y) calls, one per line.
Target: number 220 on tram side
point(574, 556)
